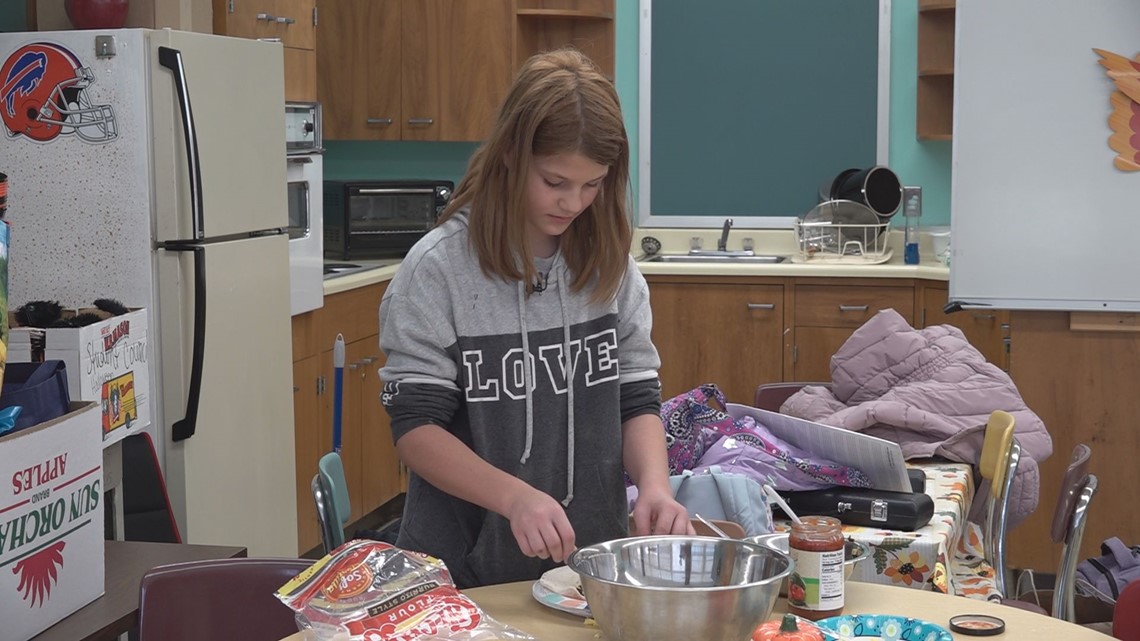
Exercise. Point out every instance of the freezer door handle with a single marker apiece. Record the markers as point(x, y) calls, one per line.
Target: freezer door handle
point(184, 429)
point(172, 60)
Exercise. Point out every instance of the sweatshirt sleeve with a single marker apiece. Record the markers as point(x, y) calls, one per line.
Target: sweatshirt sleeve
point(419, 373)
point(640, 387)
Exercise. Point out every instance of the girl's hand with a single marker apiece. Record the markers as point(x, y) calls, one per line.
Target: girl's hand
point(657, 512)
point(540, 525)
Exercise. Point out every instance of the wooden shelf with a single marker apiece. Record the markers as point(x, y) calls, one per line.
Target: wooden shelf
point(588, 25)
point(573, 14)
point(935, 94)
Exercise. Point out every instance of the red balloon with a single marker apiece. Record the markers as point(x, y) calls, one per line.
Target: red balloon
point(96, 14)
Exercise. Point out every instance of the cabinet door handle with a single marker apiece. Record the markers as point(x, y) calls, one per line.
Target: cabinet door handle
point(379, 121)
point(368, 360)
point(761, 305)
point(854, 308)
point(978, 316)
point(267, 17)
point(353, 366)
point(285, 21)
point(420, 121)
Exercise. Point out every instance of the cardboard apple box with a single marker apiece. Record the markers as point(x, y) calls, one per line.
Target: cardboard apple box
point(51, 521)
point(107, 362)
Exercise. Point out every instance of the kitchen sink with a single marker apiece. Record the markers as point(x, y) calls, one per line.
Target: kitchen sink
point(715, 259)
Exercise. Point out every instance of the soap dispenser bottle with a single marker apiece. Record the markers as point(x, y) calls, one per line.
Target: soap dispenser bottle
point(912, 210)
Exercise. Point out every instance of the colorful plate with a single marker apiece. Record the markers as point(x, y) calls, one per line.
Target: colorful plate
point(552, 599)
point(888, 627)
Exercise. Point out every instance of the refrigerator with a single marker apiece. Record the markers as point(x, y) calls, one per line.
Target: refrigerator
point(149, 166)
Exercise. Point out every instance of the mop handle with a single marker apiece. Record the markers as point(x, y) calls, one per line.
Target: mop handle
point(338, 389)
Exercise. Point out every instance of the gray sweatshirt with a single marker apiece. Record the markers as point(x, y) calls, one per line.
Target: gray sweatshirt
point(455, 340)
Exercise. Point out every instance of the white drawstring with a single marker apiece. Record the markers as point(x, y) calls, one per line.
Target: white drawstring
point(526, 373)
point(568, 367)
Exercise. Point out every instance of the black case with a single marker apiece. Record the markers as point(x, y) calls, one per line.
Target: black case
point(917, 479)
point(870, 508)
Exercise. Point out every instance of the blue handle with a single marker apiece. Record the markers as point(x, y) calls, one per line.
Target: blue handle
point(338, 390)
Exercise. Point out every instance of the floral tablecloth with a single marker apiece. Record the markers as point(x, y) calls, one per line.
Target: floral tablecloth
point(919, 559)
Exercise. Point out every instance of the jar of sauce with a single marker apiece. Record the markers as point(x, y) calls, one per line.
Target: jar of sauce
point(815, 589)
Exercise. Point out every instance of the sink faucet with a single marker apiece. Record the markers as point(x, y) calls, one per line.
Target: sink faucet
point(722, 244)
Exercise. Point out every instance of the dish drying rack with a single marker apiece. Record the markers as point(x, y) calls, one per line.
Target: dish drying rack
point(847, 243)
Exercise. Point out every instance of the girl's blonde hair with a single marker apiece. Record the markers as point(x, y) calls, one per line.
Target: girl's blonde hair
point(559, 103)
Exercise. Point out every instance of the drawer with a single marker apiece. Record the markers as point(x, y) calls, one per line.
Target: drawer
point(849, 306)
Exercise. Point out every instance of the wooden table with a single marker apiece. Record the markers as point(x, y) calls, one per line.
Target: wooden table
point(117, 611)
point(512, 604)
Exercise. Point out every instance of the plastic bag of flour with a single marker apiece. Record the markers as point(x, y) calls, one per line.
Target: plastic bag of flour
point(373, 591)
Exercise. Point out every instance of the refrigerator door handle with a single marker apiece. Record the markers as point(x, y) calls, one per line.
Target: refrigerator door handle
point(184, 429)
point(172, 60)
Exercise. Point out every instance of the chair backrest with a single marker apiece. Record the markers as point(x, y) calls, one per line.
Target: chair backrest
point(998, 465)
point(1077, 490)
point(995, 451)
point(217, 599)
point(1126, 615)
point(1071, 485)
point(331, 469)
point(147, 515)
point(331, 529)
point(330, 495)
point(771, 396)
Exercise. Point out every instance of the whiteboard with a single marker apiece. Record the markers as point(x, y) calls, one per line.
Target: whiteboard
point(1040, 217)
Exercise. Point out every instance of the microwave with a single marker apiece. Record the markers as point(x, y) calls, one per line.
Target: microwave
point(367, 219)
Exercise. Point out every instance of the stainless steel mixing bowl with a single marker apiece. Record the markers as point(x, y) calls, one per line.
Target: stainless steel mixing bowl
point(683, 588)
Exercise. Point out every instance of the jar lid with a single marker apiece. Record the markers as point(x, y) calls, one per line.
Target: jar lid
point(977, 625)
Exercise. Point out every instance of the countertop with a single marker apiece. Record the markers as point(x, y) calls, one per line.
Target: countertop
point(767, 241)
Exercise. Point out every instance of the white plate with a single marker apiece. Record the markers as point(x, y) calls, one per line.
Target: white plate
point(560, 602)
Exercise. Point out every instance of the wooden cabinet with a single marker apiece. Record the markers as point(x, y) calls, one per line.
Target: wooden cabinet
point(987, 330)
point(935, 93)
point(412, 69)
point(826, 314)
point(358, 63)
point(291, 22)
point(728, 333)
point(371, 467)
point(306, 427)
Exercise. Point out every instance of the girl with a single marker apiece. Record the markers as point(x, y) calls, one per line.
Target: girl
point(520, 376)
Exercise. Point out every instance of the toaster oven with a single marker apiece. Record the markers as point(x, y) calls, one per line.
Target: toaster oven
point(367, 219)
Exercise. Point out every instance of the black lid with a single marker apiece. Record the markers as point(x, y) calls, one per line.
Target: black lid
point(977, 625)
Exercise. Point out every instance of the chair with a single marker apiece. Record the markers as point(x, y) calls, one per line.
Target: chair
point(980, 558)
point(147, 515)
point(217, 599)
point(1126, 616)
point(1069, 518)
point(330, 493)
point(771, 396)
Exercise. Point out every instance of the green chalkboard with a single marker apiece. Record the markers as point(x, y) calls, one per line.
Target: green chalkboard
point(756, 103)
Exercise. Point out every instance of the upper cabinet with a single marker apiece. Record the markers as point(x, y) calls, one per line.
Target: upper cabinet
point(290, 22)
point(438, 69)
point(935, 108)
point(412, 69)
point(588, 25)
